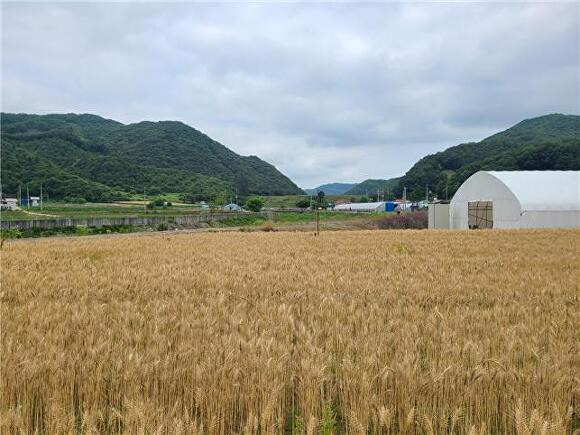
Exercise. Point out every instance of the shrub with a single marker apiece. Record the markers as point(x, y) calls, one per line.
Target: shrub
point(303, 203)
point(255, 203)
point(268, 226)
point(414, 220)
point(82, 231)
point(75, 200)
point(158, 202)
point(11, 234)
point(162, 227)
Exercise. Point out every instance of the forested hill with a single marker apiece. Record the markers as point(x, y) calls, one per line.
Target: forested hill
point(550, 142)
point(331, 188)
point(370, 187)
point(99, 159)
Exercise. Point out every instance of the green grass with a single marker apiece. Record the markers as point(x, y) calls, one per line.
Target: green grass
point(92, 210)
point(289, 201)
point(171, 197)
point(67, 231)
point(310, 216)
point(240, 221)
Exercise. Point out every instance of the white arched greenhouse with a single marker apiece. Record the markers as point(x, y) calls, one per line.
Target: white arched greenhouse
point(517, 199)
point(361, 206)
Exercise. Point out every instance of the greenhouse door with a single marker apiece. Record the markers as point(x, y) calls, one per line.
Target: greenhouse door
point(480, 214)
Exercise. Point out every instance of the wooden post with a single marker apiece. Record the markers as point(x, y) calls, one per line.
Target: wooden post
point(317, 221)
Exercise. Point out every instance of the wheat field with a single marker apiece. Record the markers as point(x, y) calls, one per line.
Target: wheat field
point(418, 332)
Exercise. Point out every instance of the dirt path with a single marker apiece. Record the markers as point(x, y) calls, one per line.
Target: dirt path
point(38, 214)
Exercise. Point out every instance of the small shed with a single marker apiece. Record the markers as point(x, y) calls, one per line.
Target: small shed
point(9, 204)
point(517, 199)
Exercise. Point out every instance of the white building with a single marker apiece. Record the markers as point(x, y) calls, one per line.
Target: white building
point(35, 201)
point(9, 204)
point(361, 206)
point(232, 207)
point(517, 199)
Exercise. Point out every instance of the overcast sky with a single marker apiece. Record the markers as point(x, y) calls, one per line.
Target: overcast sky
point(325, 92)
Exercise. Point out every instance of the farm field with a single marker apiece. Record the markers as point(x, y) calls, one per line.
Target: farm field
point(288, 220)
point(349, 332)
point(289, 201)
point(58, 210)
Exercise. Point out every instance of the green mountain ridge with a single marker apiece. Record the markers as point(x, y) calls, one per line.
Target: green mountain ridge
point(370, 186)
point(100, 159)
point(331, 188)
point(550, 142)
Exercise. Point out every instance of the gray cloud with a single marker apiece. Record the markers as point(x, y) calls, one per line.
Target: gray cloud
point(326, 92)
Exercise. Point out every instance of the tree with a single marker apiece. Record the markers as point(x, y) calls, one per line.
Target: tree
point(320, 196)
point(303, 203)
point(363, 199)
point(255, 203)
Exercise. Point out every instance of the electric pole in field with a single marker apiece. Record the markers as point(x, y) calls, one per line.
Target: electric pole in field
point(41, 196)
point(20, 195)
point(28, 196)
point(317, 221)
point(427, 192)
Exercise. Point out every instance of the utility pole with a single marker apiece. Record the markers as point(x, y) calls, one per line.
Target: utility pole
point(20, 195)
point(405, 198)
point(28, 196)
point(144, 200)
point(427, 192)
point(317, 221)
point(41, 196)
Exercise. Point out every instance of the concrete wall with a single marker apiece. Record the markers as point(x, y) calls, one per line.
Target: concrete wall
point(135, 221)
point(439, 216)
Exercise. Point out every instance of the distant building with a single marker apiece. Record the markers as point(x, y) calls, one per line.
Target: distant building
point(232, 207)
point(362, 206)
point(9, 204)
point(35, 201)
point(517, 199)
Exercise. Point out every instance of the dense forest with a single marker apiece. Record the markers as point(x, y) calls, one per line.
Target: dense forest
point(550, 142)
point(86, 156)
point(370, 187)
